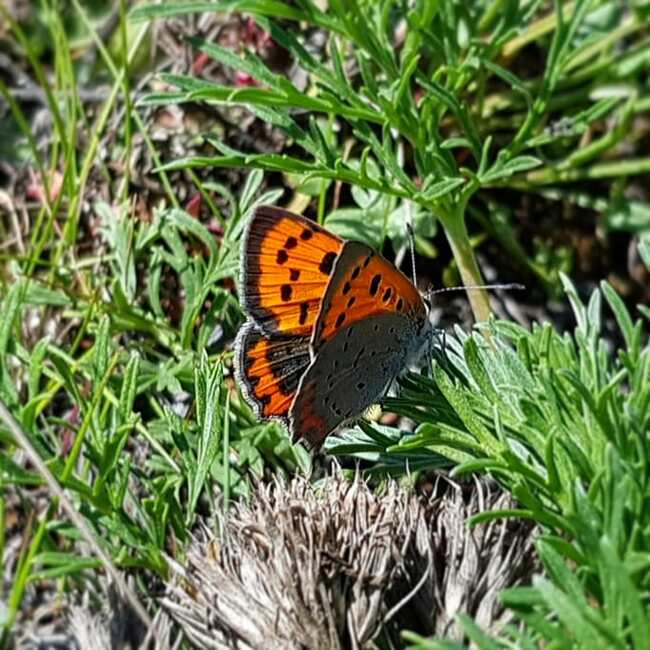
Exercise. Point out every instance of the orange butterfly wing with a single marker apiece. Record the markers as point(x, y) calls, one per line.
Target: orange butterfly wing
point(269, 368)
point(287, 262)
point(364, 284)
point(300, 286)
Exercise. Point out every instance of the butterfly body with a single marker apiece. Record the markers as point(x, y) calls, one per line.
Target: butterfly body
point(331, 324)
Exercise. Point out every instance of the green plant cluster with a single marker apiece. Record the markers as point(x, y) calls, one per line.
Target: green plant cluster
point(132, 417)
point(562, 421)
point(115, 364)
point(440, 117)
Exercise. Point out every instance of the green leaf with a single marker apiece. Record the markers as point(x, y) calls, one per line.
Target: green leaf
point(458, 399)
point(570, 614)
point(101, 349)
point(248, 62)
point(62, 564)
point(36, 360)
point(37, 294)
point(10, 306)
point(480, 638)
point(616, 576)
point(251, 187)
point(507, 76)
point(477, 368)
point(579, 310)
point(455, 143)
point(357, 224)
point(129, 385)
point(118, 232)
point(644, 249)
point(441, 188)
point(621, 314)
point(264, 7)
point(627, 215)
point(208, 380)
point(505, 170)
point(191, 225)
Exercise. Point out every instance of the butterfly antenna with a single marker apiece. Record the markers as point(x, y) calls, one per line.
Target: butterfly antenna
point(512, 286)
point(411, 236)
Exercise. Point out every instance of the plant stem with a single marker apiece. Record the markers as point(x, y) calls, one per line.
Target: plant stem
point(609, 169)
point(456, 231)
point(537, 29)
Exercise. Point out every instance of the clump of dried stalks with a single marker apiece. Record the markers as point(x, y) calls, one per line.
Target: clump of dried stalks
point(342, 566)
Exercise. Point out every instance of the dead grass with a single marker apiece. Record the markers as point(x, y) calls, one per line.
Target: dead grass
point(343, 566)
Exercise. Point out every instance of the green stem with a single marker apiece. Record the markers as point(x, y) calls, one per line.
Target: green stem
point(456, 231)
point(610, 169)
point(126, 85)
point(22, 576)
point(536, 30)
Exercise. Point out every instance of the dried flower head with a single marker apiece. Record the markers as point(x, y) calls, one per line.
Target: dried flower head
point(338, 566)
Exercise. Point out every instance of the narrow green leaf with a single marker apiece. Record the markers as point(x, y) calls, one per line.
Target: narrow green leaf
point(485, 156)
point(208, 380)
point(247, 62)
point(189, 224)
point(507, 76)
point(457, 398)
point(456, 143)
point(36, 366)
point(404, 85)
point(621, 314)
point(570, 614)
point(579, 310)
point(10, 307)
point(478, 371)
point(251, 187)
point(442, 188)
point(129, 385)
point(616, 573)
point(644, 249)
point(168, 9)
point(474, 632)
point(37, 294)
point(101, 349)
point(513, 166)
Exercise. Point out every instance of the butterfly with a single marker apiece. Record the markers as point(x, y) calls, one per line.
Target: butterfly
point(331, 323)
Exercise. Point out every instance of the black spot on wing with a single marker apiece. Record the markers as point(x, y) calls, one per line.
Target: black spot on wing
point(304, 312)
point(291, 242)
point(285, 292)
point(327, 263)
point(282, 257)
point(374, 284)
point(294, 275)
